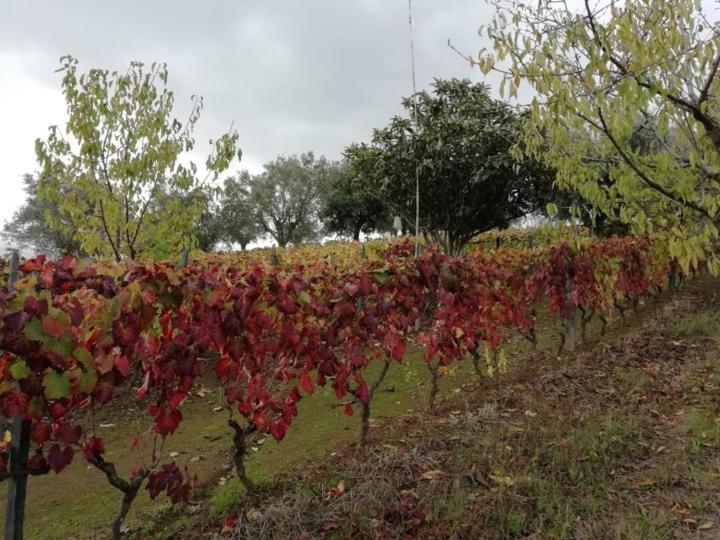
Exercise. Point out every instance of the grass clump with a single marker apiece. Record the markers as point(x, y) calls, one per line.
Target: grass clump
point(698, 325)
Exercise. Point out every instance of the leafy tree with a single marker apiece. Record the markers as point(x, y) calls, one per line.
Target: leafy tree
point(348, 208)
point(606, 75)
point(118, 172)
point(469, 182)
point(208, 226)
point(239, 223)
point(285, 197)
point(29, 229)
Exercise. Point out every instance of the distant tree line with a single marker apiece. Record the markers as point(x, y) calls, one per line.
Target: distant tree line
point(112, 183)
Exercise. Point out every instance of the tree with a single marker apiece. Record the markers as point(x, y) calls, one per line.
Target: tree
point(607, 75)
point(208, 227)
point(239, 224)
point(285, 197)
point(469, 182)
point(29, 229)
point(348, 208)
point(118, 171)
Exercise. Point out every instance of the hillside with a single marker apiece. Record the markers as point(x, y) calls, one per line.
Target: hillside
point(616, 441)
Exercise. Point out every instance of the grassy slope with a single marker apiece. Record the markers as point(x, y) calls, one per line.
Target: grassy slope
point(620, 442)
point(79, 504)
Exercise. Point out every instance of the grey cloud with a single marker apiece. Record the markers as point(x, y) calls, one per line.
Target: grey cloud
point(291, 75)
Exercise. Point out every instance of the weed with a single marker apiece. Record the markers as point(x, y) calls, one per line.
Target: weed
point(698, 325)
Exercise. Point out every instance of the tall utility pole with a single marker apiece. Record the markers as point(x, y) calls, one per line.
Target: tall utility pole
point(415, 119)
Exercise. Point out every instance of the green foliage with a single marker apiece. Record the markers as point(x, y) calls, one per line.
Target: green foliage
point(285, 197)
point(238, 222)
point(118, 173)
point(56, 385)
point(469, 182)
point(348, 208)
point(700, 324)
point(626, 108)
point(29, 228)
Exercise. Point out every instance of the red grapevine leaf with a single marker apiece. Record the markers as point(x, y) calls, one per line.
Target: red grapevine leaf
point(93, 449)
point(278, 429)
point(54, 327)
point(59, 457)
point(306, 383)
point(68, 434)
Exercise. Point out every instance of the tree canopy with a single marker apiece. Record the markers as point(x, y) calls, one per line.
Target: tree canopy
point(239, 224)
point(29, 230)
point(285, 197)
point(461, 152)
point(627, 107)
point(118, 173)
point(348, 208)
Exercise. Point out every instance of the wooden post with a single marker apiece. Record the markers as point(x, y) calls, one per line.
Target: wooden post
point(19, 449)
point(273, 256)
point(569, 319)
point(362, 250)
point(185, 257)
point(673, 275)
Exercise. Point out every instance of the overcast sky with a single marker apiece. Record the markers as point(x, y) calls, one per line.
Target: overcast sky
point(292, 75)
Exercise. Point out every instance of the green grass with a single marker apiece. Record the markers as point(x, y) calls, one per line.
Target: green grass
point(321, 426)
point(698, 325)
point(704, 429)
point(319, 429)
point(79, 503)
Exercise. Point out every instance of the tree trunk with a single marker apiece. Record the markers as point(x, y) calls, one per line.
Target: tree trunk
point(434, 376)
point(356, 233)
point(475, 355)
point(365, 427)
point(239, 453)
point(568, 331)
point(119, 519)
point(128, 489)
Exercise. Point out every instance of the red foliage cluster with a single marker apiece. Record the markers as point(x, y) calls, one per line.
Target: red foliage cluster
point(72, 333)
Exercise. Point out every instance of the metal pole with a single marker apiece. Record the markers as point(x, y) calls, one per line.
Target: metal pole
point(415, 117)
point(19, 449)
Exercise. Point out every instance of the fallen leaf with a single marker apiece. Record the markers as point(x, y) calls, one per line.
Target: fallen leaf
point(432, 475)
point(329, 525)
point(174, 454)
point(337, 490)
point(229, 525)
point(253, 514)
point(506, 481)
point(705, 525)
point(642, 482)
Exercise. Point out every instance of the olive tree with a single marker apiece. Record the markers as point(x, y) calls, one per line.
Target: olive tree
point(285, 197)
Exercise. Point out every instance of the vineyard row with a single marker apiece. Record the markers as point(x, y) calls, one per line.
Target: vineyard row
point(73, 333)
